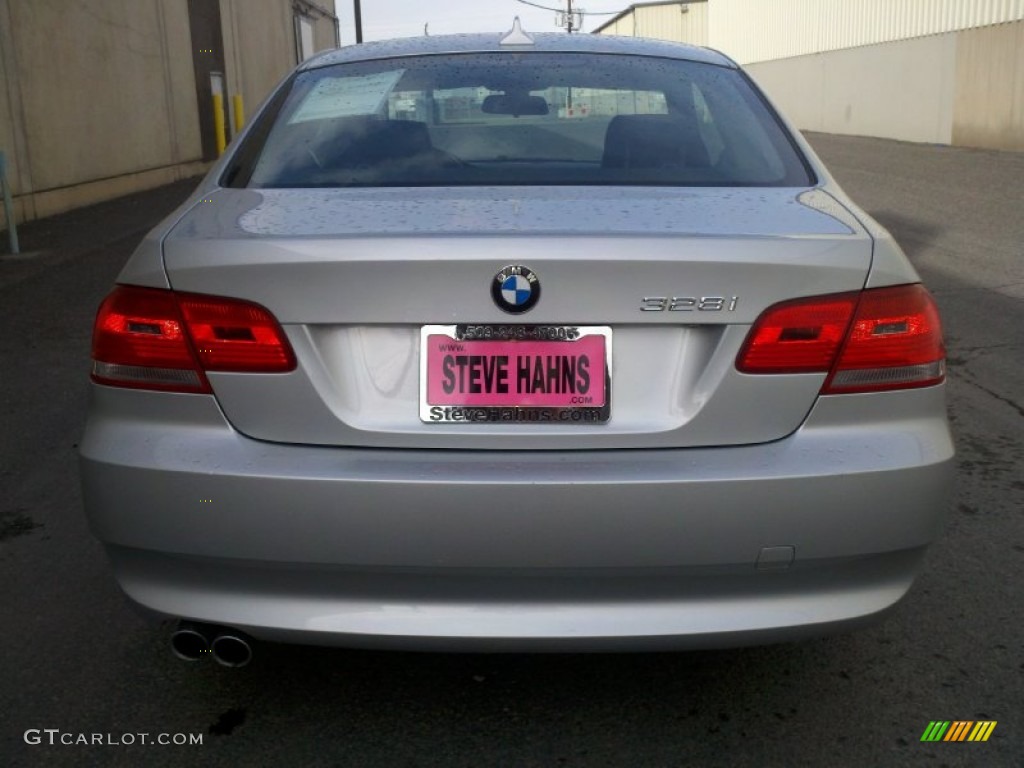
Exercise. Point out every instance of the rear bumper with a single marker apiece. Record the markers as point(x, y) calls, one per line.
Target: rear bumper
point(446, 549)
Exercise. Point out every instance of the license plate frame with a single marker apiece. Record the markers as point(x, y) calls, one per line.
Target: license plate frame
point(518, 341)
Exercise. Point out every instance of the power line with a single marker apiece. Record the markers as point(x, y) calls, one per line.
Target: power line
point(542, 7)
point(571, 18)
point(560, 10)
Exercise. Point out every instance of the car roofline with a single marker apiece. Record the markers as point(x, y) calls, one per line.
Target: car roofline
point(546, 42)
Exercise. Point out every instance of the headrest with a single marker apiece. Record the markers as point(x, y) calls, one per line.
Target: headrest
point(371, 139)
point(646, 141)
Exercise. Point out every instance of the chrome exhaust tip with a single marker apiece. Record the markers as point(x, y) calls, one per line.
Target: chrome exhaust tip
point(190, 642)
point(231, 650)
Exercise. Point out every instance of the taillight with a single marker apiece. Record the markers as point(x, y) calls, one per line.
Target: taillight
point(895, 342)
point(151, 338)
point(232, 335)
point(800, 336)
point(878, 339)
point(139, 340)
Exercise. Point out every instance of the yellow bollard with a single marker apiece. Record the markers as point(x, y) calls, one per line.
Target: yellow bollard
point(218, 123)
point(239, 112)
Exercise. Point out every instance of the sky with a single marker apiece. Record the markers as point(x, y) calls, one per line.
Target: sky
point(405, 18)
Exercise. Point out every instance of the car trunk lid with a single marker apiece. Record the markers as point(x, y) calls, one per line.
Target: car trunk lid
point(674, 277)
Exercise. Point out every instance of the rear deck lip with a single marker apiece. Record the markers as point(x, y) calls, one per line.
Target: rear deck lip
point(278, 214)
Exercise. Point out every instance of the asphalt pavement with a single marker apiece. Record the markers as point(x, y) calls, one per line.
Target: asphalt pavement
point(78, 663)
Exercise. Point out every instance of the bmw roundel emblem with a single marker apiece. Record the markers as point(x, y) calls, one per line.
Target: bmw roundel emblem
point(515, 289)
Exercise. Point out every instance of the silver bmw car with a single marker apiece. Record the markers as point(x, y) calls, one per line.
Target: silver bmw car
point(516, 342)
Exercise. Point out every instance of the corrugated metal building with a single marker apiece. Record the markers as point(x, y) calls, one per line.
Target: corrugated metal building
point(101, 98)
point(940, 71)
point(685, 21)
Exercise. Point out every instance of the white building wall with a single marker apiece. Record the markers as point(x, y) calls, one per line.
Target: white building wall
point(764, 30)
point(942, 71)
point(683, 21)
point(624, 26)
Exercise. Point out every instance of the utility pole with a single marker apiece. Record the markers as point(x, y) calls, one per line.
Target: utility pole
point(359, 21)
point(570, 19)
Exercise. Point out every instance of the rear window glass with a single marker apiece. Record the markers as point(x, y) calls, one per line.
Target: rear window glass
point(518, 118)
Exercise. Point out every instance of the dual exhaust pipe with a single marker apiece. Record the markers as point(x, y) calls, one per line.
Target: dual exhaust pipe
point(193, 641)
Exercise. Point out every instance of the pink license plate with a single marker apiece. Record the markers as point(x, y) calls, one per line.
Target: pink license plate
point(514, 373)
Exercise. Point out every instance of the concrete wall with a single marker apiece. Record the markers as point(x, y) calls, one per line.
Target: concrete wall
point(259, 47)
point(259, 44)
point(964, 88)
point(325, 34)
point(98, 97)
point(988, 104)
point(898, 90)
point(104, 100)
point(10, 111)
point(938, 71)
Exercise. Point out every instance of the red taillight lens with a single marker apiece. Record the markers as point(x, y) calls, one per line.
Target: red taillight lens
point(882, 338)
point(235, 335)
point(139, 340)
point(800, 336)
point(895, 342)
point(151, 338)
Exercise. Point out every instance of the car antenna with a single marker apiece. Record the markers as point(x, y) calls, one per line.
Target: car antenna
point(517, 36)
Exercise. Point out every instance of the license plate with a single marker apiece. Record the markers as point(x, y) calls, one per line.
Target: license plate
point(553, 374)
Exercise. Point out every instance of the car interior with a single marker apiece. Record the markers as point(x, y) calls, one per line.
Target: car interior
point(456, 127)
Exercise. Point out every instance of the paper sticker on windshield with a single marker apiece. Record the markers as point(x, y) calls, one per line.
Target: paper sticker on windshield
point(346, 96)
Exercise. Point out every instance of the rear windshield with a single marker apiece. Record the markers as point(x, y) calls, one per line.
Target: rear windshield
point(517, 119)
